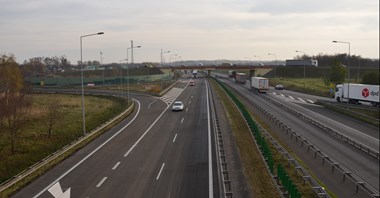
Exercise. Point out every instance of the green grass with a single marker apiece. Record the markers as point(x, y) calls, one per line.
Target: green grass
point(315, 86)
point(33, 143)
point(260, 182)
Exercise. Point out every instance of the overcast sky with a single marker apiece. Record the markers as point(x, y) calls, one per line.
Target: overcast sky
point(193, 29)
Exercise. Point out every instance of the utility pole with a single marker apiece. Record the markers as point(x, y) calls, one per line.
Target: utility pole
point(132, 51)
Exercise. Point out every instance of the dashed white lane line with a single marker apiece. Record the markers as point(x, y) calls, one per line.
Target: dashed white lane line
point(159, 173)
point(116, 165)
point(182, 120)
point(187, 109)
point(175, 137)
point(101, 182)
point(312, 102)
point(291, 97)
point(190, 102)
point(301, 99)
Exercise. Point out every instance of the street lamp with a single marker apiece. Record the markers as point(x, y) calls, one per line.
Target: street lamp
point(81, 74)
point(349, 57)
point(304, 66)
point(275, 63)
point(139, 46)
point(162, 52)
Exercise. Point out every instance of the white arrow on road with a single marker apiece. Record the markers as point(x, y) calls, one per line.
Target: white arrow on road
point(57, 192)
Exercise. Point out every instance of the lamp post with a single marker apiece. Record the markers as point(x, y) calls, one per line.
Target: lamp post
point(304, 66)
point(349, 57)
point(162, 52)
point(275, 63)
point(81, 74)
point(139, 46)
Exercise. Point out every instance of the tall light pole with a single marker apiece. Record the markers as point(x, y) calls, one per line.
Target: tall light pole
point(162, 52)
point(275, 63)
point(349, 57)
point(130, 48)
point(81, 74)
point(304, 66)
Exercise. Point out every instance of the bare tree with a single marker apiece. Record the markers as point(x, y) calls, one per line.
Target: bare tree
point(15, 100)
point(53, 114)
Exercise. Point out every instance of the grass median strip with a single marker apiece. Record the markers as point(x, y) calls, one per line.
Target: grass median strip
point(261, 184)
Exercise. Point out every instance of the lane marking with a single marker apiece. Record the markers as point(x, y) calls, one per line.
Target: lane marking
point(116, 165)
point(190, 102)
point(187, 108)
point(90, 154)
point(310, 101)
point(210, 177)
point(301, 99)
point(101, 182)
point(182, 120)
point(159, 173)
point(291, 97)
point(150, 127)
point(57, 192)
point(175, 137)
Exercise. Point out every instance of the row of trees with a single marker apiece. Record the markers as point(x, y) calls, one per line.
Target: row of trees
point(16, 102)
point(354, 61)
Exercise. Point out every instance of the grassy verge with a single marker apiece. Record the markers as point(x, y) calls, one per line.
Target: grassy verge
point(305, 190)
point(33, 143)
point(314, 86)
point(261, 184)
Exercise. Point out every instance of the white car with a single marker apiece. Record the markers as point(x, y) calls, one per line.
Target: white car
point(177, 106)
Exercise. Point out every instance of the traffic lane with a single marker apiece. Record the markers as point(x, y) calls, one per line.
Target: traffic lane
point(362, 165)
point(346, 120)
point(183, 168)
point(145, 162)
point(333, 123)
point(57, 172)
point(99, 169)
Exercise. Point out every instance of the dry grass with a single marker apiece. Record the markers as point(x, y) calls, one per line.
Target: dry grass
point(261, 184)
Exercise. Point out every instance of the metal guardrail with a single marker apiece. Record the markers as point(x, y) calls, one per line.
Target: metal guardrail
point(330, 131)
point(354, 106)
point(55, 155)
point(222, 163)
point(325, 158)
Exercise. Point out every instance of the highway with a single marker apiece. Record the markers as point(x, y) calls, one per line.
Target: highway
point(153, 153)
point(364, 166)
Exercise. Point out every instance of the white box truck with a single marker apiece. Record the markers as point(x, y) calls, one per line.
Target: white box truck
point(355, 93)
point(260, 84)
point(195, 73)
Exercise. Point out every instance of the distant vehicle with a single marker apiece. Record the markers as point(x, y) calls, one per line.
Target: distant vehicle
point(241, 78)
point(260, 84)
point(310, 62)
point(279, 87)
point(177, 106)
point(355, 93)
point(191, 83)
point(261, 64)
point(195, 73)
point(226, 64)
point(232, 74)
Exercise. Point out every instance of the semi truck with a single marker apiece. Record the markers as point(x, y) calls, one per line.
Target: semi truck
point(260, 84)
point(232, 74)
point(195, 73)
point(355, 93)
point(241, 78)
point(309, 62)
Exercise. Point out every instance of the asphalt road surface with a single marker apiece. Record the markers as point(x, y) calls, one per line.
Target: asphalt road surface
point(153, 153)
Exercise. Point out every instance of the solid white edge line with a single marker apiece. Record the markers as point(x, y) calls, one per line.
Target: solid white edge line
point(89, 155)
point(159, 173)
point(210, 177)
point(101, 182)
point(116, 165)
point(175, 137)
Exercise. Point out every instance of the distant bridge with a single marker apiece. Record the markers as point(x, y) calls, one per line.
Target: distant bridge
point(215, 67)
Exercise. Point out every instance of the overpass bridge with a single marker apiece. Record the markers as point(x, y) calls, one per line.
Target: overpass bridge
point(209, 68)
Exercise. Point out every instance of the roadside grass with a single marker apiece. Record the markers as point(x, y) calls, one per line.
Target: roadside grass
point(261, 184)
point(305, 190)
point(33, 143)
point(314, 86)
